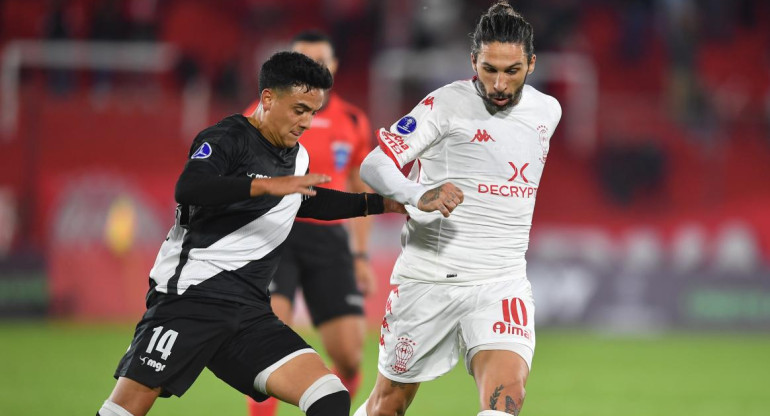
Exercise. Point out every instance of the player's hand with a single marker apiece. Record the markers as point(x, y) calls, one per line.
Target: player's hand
point(444, 199)
point(285, 185)
point(365, 277)
point(393, 206)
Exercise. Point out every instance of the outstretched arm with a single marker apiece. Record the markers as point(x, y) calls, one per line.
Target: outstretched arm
point(328, 204)
point(379, 172)
point(201, 185)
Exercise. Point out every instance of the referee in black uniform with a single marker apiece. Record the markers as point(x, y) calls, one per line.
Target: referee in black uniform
point(208, 304)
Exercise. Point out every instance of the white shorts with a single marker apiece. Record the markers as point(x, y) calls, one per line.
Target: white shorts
point(427, 326)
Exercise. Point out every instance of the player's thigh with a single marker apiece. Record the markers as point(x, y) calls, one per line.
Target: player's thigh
point(262, 345)
point(343, 339)
point(501, 377)
point(328, 279)
point(175, 340)
point(282, 307)
point(419, 338)
point(504, 319)
point(289, 381)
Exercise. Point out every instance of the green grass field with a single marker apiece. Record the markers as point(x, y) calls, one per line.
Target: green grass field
point(66, 369)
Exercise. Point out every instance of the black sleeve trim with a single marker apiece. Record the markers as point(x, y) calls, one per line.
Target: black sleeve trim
point(198, 185)
point(328, 204)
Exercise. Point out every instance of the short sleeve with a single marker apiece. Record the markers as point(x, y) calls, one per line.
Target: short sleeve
point(411, 135)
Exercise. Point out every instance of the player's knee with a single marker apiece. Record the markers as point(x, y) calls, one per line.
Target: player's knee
point(326, 397)
point(348, 367)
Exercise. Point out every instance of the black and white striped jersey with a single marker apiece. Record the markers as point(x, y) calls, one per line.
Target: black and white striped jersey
point(225, 244)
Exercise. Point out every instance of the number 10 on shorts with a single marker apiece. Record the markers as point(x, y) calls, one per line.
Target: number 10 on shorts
point(165, 343)
point(514, 311)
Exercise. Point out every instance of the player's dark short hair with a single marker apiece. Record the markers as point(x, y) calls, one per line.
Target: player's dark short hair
point(313, 36)
point(501, 23)
point(285, 70)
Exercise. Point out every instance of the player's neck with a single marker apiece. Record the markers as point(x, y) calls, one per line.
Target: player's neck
point(255, 120)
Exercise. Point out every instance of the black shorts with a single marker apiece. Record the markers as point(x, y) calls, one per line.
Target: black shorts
point(318, 258)
point(180, 335)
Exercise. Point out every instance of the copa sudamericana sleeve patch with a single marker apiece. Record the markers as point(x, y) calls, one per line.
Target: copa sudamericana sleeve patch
point(203, 152)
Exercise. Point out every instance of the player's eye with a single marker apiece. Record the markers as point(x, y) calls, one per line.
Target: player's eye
point(490, 70)
point(512, 71)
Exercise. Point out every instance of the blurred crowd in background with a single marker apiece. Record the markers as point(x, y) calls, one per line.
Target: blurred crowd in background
point(655, 205)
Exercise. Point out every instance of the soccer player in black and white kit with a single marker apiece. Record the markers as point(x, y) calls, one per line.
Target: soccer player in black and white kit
point(208, 304)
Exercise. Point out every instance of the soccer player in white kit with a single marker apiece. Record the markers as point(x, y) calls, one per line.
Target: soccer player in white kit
point(479, 147)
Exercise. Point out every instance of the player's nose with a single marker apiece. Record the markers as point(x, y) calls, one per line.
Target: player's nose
point(500, 83)
point(305, 121)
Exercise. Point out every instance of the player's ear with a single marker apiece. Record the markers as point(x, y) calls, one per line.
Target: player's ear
point(266, 98)
point(473, 62)
point(532, 64)
point(333, 66)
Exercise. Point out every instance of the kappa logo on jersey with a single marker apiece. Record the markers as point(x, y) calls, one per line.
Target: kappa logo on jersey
point(482, 136)
point(517, 172)
point(406, 125)
point(203, 152)
point(341, 152)
point(385, 325)
point(542, 131)
point(428, 101)
point(514, 319)
point(404, 352)
point(394, 142)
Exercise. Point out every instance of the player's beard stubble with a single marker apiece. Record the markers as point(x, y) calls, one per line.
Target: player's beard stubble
point(513, 99)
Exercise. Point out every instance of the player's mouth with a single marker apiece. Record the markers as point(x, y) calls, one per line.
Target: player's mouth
point(501, 101)
point(296, 133)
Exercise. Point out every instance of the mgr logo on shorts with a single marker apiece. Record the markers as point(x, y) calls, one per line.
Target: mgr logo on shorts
point(514, 319)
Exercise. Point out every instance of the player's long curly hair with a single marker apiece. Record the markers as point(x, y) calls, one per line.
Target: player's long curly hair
point(501, 23)
point(291, 69)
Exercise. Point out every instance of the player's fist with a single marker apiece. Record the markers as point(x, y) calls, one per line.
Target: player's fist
point(444, 199)
point(285, 185)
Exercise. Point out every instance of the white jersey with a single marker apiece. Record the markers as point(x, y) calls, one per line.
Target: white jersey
point(497, 161)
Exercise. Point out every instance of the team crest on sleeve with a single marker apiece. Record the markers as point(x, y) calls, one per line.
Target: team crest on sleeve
point(542, 131)
point(406, 125)
point(203, 152)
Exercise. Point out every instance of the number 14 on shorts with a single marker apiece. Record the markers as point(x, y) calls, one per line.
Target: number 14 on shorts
point(162, 343)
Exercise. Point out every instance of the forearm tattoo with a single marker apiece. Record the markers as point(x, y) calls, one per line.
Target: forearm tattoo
point(397, 384)
point(510, 404)
point(511, 407)
point(493, 398)
point(430, 196)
